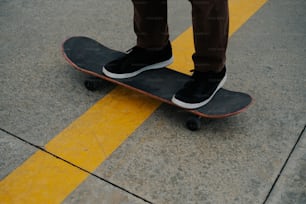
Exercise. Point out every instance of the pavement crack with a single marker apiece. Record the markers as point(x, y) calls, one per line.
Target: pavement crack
point(285, 164)
point(76, 166)
point(23, 140)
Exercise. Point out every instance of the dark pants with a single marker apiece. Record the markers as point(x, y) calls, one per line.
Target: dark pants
point(210, 20)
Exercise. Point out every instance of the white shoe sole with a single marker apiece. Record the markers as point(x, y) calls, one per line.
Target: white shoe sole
point(132, 74)
point(198, 105)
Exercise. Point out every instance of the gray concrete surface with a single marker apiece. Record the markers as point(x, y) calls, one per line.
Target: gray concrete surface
point(291, 187)
point(234, 160)
point(41, 94)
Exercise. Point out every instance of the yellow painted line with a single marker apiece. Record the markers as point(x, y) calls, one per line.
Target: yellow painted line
point(41, 179)
point(89, 140)
point(183, 48)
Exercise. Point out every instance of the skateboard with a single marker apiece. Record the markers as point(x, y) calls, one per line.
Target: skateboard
point(89, 56)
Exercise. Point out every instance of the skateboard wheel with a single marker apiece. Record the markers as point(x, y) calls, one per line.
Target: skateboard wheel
point(91, 85)
point(193, 123)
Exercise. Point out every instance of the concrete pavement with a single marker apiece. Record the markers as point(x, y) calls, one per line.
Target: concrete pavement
point(255, 157)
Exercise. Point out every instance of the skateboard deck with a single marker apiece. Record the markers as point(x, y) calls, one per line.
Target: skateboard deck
point(89, 56)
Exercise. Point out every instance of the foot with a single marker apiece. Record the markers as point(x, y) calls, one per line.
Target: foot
point(138, 60)
point(200, 89)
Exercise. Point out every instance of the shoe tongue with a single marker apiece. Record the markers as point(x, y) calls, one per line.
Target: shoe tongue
point(134, 49)
point(199, 75)
point(154, 49)
point(207, 75)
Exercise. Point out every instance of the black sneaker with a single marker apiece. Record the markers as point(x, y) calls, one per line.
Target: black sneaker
point(138, 60)
point(200, 89)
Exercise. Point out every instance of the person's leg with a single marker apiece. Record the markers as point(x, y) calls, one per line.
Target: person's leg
point(150, 23)
point(153, 50)
point(210, 26)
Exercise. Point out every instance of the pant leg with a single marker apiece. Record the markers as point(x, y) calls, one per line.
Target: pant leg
point(210, 26)
point(150, 23)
